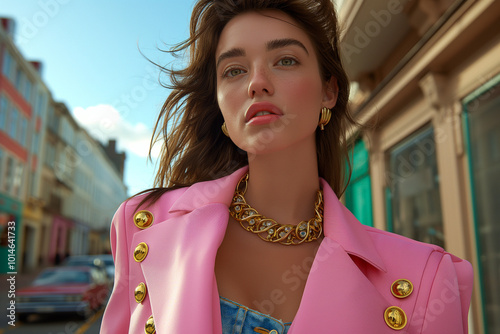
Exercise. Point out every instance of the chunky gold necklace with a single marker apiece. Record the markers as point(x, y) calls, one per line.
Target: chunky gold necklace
point(268, 229)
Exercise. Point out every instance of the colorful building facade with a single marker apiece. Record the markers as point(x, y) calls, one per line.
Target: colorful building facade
point(426, 89)
point(54, 178)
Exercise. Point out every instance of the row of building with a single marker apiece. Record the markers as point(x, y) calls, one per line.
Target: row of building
point(426, 88)
point(58, 185)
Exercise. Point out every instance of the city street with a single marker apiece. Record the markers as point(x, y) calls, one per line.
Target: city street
point(47, 324)
point(56, 325)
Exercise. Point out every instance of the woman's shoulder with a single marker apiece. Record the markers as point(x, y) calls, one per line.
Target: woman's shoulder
point(154, 204)
point(396, 250)
point(158, 197)
point(393, 240)
point(441, 282)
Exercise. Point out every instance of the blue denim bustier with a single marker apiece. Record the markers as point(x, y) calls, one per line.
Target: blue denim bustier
point(239, 319)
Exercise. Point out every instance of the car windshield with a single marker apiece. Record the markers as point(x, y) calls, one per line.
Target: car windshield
point(84, 261)
point(80, 262)
point(108, 262)
point(54, 277)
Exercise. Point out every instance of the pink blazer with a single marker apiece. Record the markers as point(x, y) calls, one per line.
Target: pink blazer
point(348, 289)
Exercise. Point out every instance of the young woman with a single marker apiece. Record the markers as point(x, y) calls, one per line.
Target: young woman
point(244, 232)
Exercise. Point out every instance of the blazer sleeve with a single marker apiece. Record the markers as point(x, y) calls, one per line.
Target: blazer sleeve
point(117, 314)
point(447, 308)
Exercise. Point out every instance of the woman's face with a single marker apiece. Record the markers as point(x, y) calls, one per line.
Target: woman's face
point(269, 86)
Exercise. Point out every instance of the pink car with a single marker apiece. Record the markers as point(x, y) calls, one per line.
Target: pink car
point(79, 290)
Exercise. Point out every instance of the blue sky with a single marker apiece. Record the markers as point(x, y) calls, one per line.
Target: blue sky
point(91, 55)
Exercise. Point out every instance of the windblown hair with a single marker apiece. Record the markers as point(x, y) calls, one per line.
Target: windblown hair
point(189, 124)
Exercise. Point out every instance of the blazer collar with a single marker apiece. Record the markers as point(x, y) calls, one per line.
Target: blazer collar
point(339, 223)
point(207, 192)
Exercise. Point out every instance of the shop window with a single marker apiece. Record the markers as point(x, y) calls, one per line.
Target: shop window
point(413, 202)
point(358, 195)
point(482, 124)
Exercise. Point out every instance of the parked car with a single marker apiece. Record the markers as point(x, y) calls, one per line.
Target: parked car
point(108, 263)
point(95, 261)
point(80, 290)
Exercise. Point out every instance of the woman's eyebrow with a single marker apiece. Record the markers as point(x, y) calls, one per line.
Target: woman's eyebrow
point(284, 42)
point(271, 45)
point(235, 52)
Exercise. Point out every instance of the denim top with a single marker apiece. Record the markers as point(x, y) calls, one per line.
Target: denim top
point(239, 319)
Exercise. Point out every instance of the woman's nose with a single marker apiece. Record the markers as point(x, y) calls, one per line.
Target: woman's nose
point(260, 83)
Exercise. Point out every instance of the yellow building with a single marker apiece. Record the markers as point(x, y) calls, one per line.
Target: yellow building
point(426, 84)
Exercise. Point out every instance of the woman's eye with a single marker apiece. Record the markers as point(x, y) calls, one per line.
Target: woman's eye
point(232, 72)
point(287, 62)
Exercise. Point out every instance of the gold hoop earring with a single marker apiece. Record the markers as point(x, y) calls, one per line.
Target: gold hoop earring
point(326, 114)
point(224, 129)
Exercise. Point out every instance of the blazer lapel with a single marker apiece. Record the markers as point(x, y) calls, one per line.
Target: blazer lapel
point(337, 294)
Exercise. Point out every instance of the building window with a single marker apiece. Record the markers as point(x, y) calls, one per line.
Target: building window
point(13, 122)
point(23, 131)
point(35, 140)
point(482, 123)
point(17, 180)
point(413, 202)
point(4, 109)
point(41, 101)
point(27, 90)
point(358, 195)
point(7, 64)
point(19, 79)
point(33, 185)
point(9, 175)
point(53, 120)
point(13, 177)
point(50, 155)
point(1, 168)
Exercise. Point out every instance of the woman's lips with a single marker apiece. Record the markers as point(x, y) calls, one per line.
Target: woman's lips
point(262, 113)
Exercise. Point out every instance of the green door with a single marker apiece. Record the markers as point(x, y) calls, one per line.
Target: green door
point(358, 195)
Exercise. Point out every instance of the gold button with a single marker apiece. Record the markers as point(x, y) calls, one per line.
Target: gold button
point(395, 317)
point(140, 252)
point(143, 219)
point(401, 288)
point(274, 331)
point(140, 292)
point(150, 326)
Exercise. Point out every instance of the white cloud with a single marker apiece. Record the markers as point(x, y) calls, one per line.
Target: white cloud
point(104, 122)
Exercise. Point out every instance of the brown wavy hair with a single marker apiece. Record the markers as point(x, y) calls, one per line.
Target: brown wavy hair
point(194, 148)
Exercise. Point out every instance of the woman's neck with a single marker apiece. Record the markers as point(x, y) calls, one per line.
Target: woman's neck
point(283, 185)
